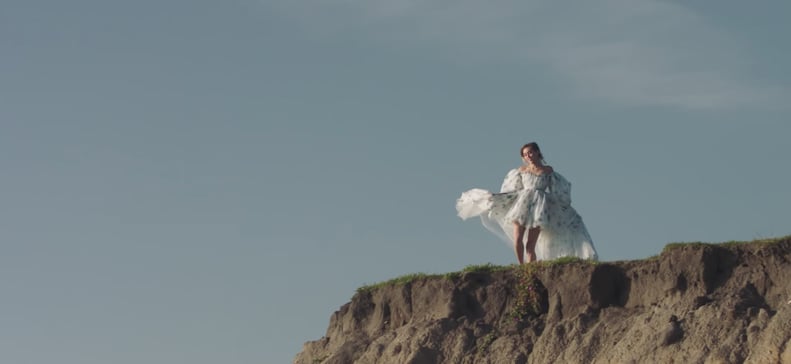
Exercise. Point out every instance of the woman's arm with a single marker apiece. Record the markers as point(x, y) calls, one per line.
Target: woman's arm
point(512, 182)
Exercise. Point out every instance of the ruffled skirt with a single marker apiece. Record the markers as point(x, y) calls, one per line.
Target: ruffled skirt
point(562, 231)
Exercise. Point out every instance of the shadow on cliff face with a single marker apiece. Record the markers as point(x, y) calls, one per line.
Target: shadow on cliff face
point(609, 286)
point(465, 302)
point(718, 264)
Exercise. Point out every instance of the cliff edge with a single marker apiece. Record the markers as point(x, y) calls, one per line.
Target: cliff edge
point(694, 303)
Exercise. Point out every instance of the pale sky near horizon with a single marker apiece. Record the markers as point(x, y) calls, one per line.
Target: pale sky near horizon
point(207, 182)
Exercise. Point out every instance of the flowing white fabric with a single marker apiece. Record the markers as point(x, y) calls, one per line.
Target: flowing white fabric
point(533, 201)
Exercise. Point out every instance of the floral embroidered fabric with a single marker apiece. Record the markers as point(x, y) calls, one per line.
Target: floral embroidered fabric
point(532, 201)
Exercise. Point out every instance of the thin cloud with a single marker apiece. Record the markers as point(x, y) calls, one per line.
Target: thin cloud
point(627, 52)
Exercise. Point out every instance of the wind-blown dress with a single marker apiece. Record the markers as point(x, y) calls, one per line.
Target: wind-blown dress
point(532, 200)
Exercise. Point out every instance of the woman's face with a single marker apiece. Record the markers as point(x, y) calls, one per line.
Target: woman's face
point(531, 155)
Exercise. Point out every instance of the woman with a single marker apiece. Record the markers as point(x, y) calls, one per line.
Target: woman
point(532, 211)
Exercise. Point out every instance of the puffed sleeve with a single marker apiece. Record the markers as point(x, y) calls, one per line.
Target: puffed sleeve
point(560, 188)
point(512, 182)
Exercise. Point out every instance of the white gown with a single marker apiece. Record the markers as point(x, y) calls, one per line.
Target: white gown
point(534, 201)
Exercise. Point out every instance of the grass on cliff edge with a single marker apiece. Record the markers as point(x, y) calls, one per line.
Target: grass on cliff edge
point(475, 268)
point(760, 242)
point(491, 268)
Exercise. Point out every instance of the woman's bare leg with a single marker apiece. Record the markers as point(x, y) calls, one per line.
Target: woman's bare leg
point(532, 238)
point(519, 247)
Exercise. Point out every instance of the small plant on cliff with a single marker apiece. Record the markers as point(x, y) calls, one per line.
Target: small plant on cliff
point(320, 359)
point(527, 296)
point(486, 341)
point(672, 246)
point(407, 278)
point(485, 268)
point(698, 244)
point(477, 268)
point(567, 260)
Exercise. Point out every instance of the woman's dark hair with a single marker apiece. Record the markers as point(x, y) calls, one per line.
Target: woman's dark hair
point(533, 146)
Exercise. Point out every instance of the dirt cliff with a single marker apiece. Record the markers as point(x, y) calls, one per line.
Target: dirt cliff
point(694, 303)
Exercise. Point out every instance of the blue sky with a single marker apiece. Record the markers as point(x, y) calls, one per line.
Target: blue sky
point(205, 182)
